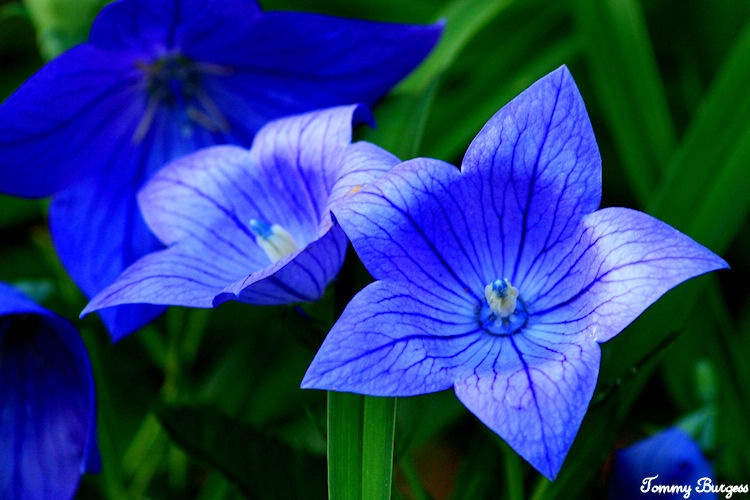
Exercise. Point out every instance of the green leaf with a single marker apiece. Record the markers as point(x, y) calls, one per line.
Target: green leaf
point(535, 40)
point(260, 465)
point(478, 473)
point(406, 109)
point(360, 446)
point(630, 91)
point(705, 195)
point(19, 59)
point(707, 180)
point(377, 447)
point(345, 418)
point(61, 24)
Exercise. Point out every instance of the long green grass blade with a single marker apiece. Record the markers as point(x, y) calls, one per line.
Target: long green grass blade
point(407, 108)
point(531, 46)
point(377, 447)
point(345, 419)
point(630, 91)
point(714, 155)
point(360, 446)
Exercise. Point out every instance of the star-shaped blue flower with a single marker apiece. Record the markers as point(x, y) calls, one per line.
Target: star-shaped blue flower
point(162, 78)
point(47, 402)
point(251, 225)
point(669, 459)
point(501, 279)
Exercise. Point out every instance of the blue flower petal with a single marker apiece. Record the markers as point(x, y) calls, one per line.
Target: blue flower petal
point(291, 61)
point(158, 80)
point(204, 196)
point(96, 248)
point(412, 225)
point(302, 276)
point(299, 277)
point(147, 26)
point(47, 405)
point(202, 206)
point(301, 158)
point(68, 113)
point(393, 339)
point(504, 269)
point(175, 276)
point(362, 163)
point(536, 170)
point(623, 261)
point(534, 395)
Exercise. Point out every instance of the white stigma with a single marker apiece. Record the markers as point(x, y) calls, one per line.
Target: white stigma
point(274, 239)
point(501, 297)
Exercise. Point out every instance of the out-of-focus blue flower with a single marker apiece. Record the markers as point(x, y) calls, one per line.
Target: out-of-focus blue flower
point(501, 279)
point(663, 465)
point(159, 79)
point(47, 403)
point(253, 226)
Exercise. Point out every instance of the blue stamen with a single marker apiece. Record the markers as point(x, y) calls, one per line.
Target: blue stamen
point(260, 229)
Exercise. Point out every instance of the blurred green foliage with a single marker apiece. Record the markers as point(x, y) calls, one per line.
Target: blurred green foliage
point(188, 402)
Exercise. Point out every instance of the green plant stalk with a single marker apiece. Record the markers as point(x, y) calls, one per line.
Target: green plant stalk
point(513, 473)
point(345, 417)
point(379, 424)
point(360, 446)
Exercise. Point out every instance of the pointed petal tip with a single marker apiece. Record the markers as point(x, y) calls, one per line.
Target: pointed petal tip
point(97, 303)
point(435, 30)
point(308, 382)
point(536, 403)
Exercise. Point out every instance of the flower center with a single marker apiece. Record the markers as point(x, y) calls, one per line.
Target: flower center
point(501, 297)
point(507, 314)
point(273, 239)
point(175, 82)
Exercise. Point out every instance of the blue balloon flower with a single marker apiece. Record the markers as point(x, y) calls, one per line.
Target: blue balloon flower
point(501, 279)
point(665, 464)
point(251, 225)
point(47, 403)
point(159, 79)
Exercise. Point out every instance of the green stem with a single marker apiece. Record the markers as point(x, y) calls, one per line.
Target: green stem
point(113, 482)
point(345, 416)
point(541, 489)
point(377, 447)
point(513, 473)
point(360, 446)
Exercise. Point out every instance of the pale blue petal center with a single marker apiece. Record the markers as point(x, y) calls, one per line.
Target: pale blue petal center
point(273, 239)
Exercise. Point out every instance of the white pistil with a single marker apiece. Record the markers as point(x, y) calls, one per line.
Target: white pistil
point(501, 297)
point(273, 239)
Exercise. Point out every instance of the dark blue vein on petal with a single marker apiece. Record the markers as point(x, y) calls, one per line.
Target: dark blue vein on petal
point(526, 207)
point(532, 388)
point(433, 248)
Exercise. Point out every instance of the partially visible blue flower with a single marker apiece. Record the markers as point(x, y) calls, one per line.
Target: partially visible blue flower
point(251, 225)
point(162, 78)
point(669, 458)
point(47, 403)
point(501, 279)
